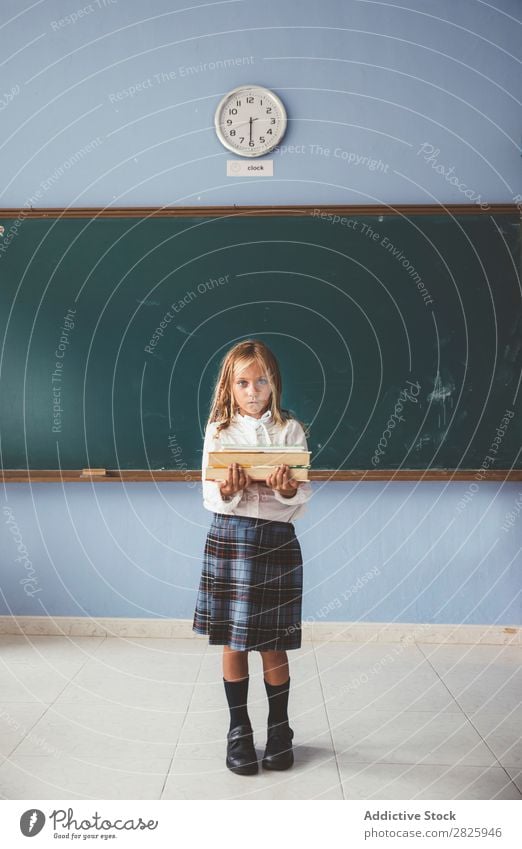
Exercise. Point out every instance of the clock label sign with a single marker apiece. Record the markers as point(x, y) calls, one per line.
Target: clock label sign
point(250, 121)
point(250, 169)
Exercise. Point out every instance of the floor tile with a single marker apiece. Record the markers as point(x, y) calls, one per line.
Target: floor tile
point(503, 734)
point(210, 779)
point(330, 654)
point(146, 718)
point(147, 647)
point(424, 781)
point(165, 668)
point(450, 657)
point(516, 776)
point(384, 688)
point(33, 682)
point(33, 777)
point(31, 649)
point(125, 688)
point(408, 737)
point(495, 690)
point(82, 730)
point(17, 720)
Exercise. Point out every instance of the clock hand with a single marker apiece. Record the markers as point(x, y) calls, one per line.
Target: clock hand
point(239, 124)
point(251, 128)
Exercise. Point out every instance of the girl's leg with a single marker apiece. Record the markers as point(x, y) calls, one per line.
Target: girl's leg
point(277, 685)
point(275, 666)
point(241, 754)
point(235, 664)
point(235, 680)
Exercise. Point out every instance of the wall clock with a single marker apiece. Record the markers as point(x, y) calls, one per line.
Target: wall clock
point(250, 120)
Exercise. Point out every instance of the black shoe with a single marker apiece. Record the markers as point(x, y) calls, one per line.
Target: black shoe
point(241, 754)
point(278, 752)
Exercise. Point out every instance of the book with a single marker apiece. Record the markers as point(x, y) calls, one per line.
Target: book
point(248, 457)
point(258, 462)
point(256, 473)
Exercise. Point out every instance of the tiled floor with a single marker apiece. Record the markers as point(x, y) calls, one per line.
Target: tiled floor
point(98, 718)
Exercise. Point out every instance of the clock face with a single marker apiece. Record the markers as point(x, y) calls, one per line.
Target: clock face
point(250, 120)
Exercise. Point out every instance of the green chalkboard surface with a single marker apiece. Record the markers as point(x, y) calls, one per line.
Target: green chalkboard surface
point(399, 335)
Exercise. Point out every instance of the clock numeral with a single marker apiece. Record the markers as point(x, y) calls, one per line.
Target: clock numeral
point(239, 111)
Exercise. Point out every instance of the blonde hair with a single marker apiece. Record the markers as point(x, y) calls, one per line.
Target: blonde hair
point(239, 357)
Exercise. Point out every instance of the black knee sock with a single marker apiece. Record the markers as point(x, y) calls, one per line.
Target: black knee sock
point(277, 701)
point(236, 692)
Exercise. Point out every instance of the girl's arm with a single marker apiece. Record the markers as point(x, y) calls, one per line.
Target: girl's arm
point(294, 435)
point(212, 498)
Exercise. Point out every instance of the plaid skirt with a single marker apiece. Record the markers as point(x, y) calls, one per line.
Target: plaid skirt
point(250, 591)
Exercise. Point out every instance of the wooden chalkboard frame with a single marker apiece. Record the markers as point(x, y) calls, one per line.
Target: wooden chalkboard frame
point(303, 209)
point(138, 475)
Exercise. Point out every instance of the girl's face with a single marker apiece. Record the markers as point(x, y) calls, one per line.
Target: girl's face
point(251, 391)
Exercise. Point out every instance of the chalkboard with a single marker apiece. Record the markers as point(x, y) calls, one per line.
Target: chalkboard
point(399, 332)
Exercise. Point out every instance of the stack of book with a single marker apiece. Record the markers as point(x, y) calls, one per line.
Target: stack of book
point(258, 462)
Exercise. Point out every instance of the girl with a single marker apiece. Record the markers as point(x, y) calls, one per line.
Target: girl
point(250, 591)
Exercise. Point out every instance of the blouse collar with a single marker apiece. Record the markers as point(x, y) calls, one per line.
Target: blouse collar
point(253, 422)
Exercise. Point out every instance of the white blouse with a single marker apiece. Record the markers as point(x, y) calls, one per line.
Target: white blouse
point(256, 500)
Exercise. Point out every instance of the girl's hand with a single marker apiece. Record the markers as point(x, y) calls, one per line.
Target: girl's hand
point(283, 482)
point(237, 479)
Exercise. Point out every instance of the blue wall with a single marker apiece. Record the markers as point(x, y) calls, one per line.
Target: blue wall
point(395, 553)
point(361, 77)
point(115, 106)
